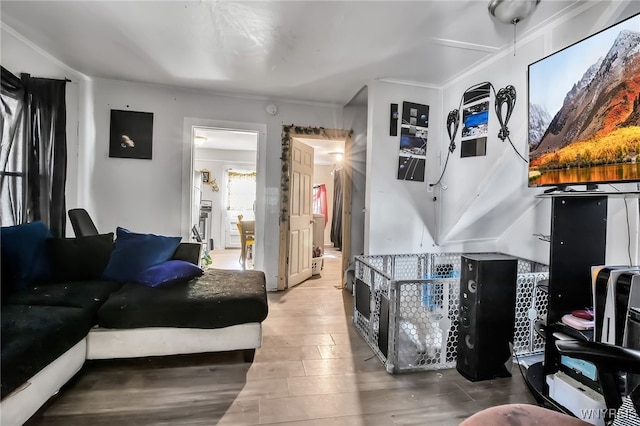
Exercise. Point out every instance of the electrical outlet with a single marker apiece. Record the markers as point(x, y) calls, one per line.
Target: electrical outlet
point(429, 188)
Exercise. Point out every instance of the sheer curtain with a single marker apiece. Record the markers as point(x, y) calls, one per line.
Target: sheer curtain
point(241, 189)
point(33, 152)
point(12, 151)
point(320, 201)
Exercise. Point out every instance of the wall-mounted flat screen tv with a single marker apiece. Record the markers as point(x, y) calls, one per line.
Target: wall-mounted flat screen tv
point(584, 110)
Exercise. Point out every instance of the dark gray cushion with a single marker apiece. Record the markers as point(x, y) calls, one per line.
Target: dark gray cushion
point(219, 298)
point(34, 336)
point(81, 258)
point(88, 295)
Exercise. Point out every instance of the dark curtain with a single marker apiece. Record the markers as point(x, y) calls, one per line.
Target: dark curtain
point(47, 162)
point(336, 220)
point(41, 164)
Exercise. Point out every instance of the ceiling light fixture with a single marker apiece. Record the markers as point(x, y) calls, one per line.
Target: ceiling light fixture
point(512, 12)
point(338, 156)
point(199, 140)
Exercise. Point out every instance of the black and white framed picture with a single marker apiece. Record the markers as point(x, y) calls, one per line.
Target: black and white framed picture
point(414, 131)
point(475, 118)
point(131, 134)
point(411, 168)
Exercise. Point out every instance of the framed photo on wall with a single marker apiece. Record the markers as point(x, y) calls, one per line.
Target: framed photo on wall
point(414, 132)
point(206, 176)
point(131, 134)
point(475, 119)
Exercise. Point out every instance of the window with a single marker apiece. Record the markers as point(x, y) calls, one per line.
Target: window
point(320, 200)
point(13, 189)
point(33, 151)
point(241, 189)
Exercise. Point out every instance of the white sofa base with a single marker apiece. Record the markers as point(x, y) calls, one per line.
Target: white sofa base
point(17, 407)
point(101, 343)
point(104, 343)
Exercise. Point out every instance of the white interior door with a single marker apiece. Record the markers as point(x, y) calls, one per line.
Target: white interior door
point(300, 213)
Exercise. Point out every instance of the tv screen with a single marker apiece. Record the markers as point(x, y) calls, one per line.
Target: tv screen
point(584, 110)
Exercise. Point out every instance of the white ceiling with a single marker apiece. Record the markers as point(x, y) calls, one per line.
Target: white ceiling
point(323, 51)
point(207, 137)
point(212, 138)
point(325, 152)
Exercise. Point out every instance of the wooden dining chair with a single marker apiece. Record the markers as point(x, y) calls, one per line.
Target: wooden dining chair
point(247, 239)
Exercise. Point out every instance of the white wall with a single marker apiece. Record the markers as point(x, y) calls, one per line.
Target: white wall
point(218, 161)
point(397, 211)
point(146, 195)
point(487, 199)
point(486, 204)
point(484, 195)
point(20, 56)
point(355, 118)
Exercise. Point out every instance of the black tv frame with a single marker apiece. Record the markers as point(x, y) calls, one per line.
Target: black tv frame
point(564, 186)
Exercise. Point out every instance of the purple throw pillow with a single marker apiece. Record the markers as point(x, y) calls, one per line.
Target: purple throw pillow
point(168, 272)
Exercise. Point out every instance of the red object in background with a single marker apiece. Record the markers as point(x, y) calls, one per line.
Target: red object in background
point(320, 201)
point(586, 314)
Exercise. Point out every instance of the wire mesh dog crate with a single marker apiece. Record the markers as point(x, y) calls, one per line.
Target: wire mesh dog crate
point(406, 307)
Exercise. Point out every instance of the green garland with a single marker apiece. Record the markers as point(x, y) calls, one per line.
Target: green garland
point(287, 131)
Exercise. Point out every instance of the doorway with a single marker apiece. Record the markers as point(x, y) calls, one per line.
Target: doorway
point(332, 143)
point(225, 188)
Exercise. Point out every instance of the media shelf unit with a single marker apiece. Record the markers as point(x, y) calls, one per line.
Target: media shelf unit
point(578, 241)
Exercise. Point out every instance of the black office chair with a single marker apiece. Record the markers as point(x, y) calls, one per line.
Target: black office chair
point(610, 361)
point(81, 222)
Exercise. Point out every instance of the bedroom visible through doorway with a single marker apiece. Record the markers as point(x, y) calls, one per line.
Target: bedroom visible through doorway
point(295, 257)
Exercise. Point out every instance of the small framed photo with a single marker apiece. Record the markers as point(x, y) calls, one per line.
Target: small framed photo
point(131, 134)
point(206, 176)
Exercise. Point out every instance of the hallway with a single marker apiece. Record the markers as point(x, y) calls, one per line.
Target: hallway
point(313, 369)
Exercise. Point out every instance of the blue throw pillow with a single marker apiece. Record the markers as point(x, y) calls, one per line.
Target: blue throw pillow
point(133, 253)
point(168, 272)
point(24, 254)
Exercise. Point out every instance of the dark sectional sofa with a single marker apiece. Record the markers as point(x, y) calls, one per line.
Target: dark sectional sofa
point(50, 328)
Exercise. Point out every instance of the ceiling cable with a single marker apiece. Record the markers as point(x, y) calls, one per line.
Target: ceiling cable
point(515, 22)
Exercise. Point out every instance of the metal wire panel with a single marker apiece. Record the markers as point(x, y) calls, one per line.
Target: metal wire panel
point(528, 306)
point(422, 294)
point(444, 265)
point(408, 267)
point(425, 339)
point(626, 414)
point(368, 327)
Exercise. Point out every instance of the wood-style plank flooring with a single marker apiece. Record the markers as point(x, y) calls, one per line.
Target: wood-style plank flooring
point(312, 369)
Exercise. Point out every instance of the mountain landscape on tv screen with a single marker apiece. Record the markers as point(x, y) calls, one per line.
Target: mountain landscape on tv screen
point(599, 121)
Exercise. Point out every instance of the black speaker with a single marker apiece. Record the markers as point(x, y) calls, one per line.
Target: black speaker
point(487, 313)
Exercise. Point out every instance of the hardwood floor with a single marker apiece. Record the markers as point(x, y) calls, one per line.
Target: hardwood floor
point(313, 369)
point(227, 259)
